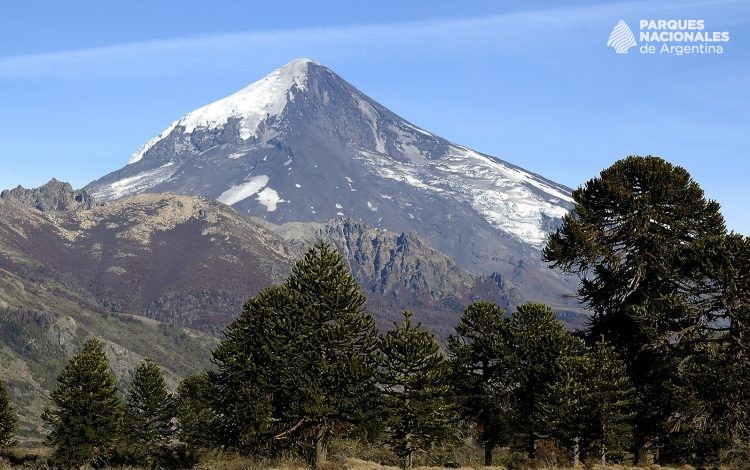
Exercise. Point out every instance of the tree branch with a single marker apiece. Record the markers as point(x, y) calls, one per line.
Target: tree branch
point(290, 430)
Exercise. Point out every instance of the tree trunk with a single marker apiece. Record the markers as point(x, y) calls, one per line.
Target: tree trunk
point(408, 456)
point(531, 444)
point(321, 446)
point(488, 447)
point(645, 456)
point(576, 451)
point(407, 461)
point(604, 456)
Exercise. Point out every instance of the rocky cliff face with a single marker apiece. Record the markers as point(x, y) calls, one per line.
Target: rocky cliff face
point(53, 196)
point(401, 271)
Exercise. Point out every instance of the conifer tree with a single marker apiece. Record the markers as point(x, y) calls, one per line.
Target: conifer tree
point(327, 375)
point(8, 419)
point(563, 408)
point(536, 340)
point(84, 421)
point(298, 360)
point(610, 402)
point(630, 235)
point(414, 376)
point(244, 382)
point(480, 373)
point(193, 411)
point(148, 414)
point(718, 365)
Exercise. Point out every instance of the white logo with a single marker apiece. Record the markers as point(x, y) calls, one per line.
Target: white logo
point(621, 38)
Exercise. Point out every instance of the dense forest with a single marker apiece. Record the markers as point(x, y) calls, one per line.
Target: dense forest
point(660, 375)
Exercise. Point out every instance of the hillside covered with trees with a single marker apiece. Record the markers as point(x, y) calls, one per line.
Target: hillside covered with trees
point(660, 375)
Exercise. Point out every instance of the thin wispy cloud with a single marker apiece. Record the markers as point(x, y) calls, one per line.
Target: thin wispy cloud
point(503, 34)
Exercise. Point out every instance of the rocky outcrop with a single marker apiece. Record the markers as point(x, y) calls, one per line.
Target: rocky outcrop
point(53, 196)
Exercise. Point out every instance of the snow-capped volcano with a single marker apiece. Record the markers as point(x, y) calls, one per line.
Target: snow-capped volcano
point(302, 144)
point(251, 105)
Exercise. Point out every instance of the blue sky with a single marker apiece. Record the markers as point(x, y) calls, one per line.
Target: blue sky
point(84, 84)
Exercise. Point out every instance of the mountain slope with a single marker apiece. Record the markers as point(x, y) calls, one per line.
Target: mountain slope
point(403, 272)
point(137, 271)
point(180, 259)
point(192, 261)
point(303, 145)
point(46, 315)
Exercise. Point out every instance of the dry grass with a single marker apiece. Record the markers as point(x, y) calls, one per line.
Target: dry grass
point(368, 458)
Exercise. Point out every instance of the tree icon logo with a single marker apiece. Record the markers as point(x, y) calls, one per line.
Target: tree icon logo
point(621, 38)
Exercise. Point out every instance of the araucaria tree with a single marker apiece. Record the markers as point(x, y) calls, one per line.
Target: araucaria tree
point(194, 412)
point(718, 365)
point(303, 353)
point(84, 421)
point(478, 358)
point(148, 414)
point(630, 235)
point(610, 402)
point(414, 376)
point(562, 411)
point(536, 341)
point(244, 382)
point(8, 419)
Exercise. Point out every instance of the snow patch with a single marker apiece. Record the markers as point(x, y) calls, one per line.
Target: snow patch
point(134, 184)
point(243, 191)
point(236, 155)
point(372, 117)
point(269, 198)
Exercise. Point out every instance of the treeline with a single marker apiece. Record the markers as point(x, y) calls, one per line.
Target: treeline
point(661, 373)
point(304, 362)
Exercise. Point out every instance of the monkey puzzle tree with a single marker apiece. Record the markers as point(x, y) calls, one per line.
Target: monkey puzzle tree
point(84, 420)
point(414, 376)
point(536, 342)
point(193, 410)
point(717, 364)
point(610, 402)
point(149, 410)
point(480, 373)
point(298, 360)
point(629, 236)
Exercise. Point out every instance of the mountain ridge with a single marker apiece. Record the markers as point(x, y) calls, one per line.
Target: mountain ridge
point(331, 151)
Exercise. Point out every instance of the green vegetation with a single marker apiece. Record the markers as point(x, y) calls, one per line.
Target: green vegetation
point(298, 361)
point(419, 411)
point(7, 420)
point(661, 375)
point(147, 427)
point(480, 373)
point(84, 420)
point(194, 412)
point(668, 289)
